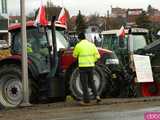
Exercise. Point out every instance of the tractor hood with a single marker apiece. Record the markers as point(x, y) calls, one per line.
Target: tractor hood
point(104, 51)
point(107, 56)
point(67, 59)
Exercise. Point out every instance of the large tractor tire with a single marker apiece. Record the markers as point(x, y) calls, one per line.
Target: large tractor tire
point(108, 89)
point(11, 91)
point(75, 86)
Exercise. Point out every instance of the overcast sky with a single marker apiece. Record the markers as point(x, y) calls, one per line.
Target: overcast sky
point(86, 6)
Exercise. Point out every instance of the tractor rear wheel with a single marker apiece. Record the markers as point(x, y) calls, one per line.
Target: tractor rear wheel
point(76, 87)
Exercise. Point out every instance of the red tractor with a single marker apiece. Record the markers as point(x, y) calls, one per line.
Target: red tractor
point(53, 72)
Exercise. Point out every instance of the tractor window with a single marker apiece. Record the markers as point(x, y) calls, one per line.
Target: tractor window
point(37, 48)
point(114, 42)
point(139, 41)
point(61, 41)
point(123, 42)
point(36, 40)
point(106, 42)
point(110, 41)
point(17, 47)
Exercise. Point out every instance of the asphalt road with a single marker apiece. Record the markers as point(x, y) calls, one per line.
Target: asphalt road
point(63, 111)
point(109, 115)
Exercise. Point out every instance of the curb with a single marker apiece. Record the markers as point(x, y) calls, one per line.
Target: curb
point(109, 101)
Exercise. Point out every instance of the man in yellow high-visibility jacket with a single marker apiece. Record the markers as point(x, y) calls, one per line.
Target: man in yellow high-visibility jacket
point(87, 55)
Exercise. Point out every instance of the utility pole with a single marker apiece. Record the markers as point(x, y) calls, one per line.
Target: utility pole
point(108, 19)
point(25, 83)
point(4, 6)
point(5, 15)
point(105, 23)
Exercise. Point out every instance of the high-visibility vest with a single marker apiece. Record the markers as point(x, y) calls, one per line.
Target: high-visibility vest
point(29, 48)
point(87, 53)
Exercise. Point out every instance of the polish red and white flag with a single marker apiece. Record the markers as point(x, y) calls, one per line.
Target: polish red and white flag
point(62, 19)
point(121, 33)
point(41, 16)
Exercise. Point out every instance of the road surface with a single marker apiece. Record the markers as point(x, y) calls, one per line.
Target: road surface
point(63, 111)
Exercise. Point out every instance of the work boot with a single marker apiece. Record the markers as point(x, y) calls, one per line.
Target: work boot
point(98, 99)
point(82, 103)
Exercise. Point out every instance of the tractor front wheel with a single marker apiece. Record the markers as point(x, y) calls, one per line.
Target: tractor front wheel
point(11, 91)
point(10, 86)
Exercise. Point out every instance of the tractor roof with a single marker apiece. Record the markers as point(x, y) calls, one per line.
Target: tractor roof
point(14, 26)
point(134, 30)
point(109, 32)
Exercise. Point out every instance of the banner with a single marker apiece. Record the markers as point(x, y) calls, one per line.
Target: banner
point(143, 68)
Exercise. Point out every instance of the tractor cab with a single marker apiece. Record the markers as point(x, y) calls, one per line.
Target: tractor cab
point(39, 45)
point(112, 40)
point(36, 48)
point(121, 46)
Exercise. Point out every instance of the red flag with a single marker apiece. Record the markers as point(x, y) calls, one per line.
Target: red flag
point(62, 19)
point(41, 17)
point(121, 33)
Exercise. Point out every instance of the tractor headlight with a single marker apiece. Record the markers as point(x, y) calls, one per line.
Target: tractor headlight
point(111, 61)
